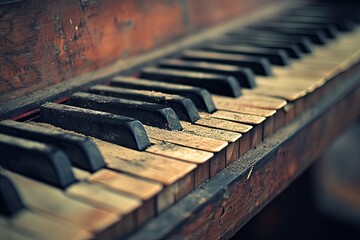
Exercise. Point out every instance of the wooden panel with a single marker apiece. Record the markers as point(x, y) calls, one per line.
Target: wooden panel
point(204, 12)
point(47, 42)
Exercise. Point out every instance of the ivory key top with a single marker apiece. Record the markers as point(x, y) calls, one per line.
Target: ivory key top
point(44, 198)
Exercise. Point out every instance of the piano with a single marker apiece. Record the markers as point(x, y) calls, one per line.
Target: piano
point(165, 119)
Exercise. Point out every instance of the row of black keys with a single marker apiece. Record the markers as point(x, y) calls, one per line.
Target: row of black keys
point(222, 67)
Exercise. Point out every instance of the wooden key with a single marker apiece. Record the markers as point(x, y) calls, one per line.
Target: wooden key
point(179, 152)
point(36, 160)
point(81, 151)
point(251, 101)
point(194, 141)
point(143, 189)
point(120, 130)
point(233, 139)
point(31, 224)
point(245, 76)
point(236, 117)
point(214, 83)
point(200, 96)
point(148, 113)
point(184, 107)
point(108, 200)
point(287, 83)
point(103, 198)
point(223, 124)
point(137, 188)
point(219, 134)
point(258, 65)
point(251, 104)
point(186, 139)
point(164, 170)
point(8, 231)
point(40, 225)
point(43, 198)
point(270, 87)
point(245, 109)
point(203, 159)
point(292, 83)
point(285, 94)
point(254, 136)
point(144, 164)
point(167, 171)
point(80, 174)
point(275, 56)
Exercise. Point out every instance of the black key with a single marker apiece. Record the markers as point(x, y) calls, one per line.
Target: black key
point(291, 49)
point(184, 107)
point(245, 76)
point(214, 83)
point(328, 29)
point(200, 96)
point(36, 160)
point(275, 56)
point(342, 25)
point(82, 152)
point(338, 12)
point(117, 129)
point(258, 65)
point(316, 36)
point(148, 113)
point(10, 201)
point(304, 43)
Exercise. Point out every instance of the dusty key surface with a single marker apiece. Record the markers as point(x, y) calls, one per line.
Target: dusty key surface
point(275, 56)
point(36, 160)
point(200, 96)
point(214, 83)
point(148, 113)
point(43, 197)
point(184, 107)
point(114, 128)
point(81, 150)
point(245, 76)
point(186, 139)
point(259, 65)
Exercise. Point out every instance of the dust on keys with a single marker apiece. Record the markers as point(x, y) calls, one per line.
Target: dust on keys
point(106, 161)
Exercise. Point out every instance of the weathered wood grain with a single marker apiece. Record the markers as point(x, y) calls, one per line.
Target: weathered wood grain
point(47, 42)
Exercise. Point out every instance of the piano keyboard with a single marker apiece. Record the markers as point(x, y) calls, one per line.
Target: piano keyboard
point(108, 159)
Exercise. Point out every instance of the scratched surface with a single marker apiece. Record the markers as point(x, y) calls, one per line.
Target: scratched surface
point(46, 42)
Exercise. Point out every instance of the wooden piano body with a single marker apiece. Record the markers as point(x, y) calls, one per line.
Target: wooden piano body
point(51, 49)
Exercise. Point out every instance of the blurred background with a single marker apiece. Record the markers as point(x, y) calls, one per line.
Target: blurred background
point(323, 203)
